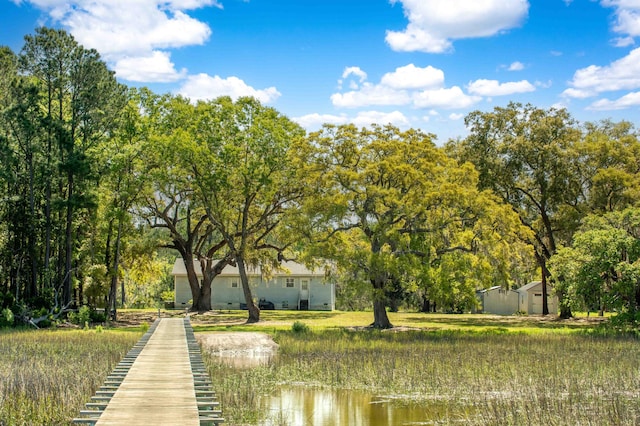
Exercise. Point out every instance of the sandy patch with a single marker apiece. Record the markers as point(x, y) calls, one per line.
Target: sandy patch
point(230, 342)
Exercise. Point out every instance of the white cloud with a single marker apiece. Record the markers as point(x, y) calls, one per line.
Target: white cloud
point(367, 118)
point(627, 16)
point(314, 121)
point(577, 94)
point(626, 22)
point(141, 30)
point(203, 86)
point(495, 88)
point(433, 24)
point(129, 32)
point(407, 85)
point(156, 67)
point(516, 66)
point(623, 41)
point(370, 94)
point(623, 74)
point(455, 117)
point(627, 101)
point(412, 77)
point(451, 98)
point(362, 76)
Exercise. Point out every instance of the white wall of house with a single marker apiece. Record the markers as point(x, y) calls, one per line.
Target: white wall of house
point(294, 287)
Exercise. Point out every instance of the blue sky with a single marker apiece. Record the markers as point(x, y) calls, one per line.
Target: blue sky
point(415, 63)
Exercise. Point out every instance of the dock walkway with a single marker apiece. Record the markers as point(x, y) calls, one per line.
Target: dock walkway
point(161, 381)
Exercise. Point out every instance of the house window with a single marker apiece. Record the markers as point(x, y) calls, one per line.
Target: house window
point(289, 283)
point(305, 285)
point(234, 284)
point(538, 295)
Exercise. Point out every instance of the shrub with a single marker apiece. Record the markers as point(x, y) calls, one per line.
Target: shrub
point(300, 327)
point(81, 317)
point(6, 318)
point(96, 316)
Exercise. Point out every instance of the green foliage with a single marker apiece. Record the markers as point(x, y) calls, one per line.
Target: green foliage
point(299, 327)
point(6, 318)
point(601, 271)
point(81, 317)
point(97, 317)
point(393, 211)
point(528, 157)
point(147, 280)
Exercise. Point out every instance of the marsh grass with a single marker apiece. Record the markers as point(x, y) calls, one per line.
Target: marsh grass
point(46, 376)
point(489, 377)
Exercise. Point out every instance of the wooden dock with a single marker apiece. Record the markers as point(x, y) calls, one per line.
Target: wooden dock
point(161, 381)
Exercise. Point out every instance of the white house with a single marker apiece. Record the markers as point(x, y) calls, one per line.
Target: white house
point(499, 301)
point(531, 298)
point(292, 287)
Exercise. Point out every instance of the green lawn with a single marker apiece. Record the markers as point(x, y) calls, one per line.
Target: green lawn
point(318, 320)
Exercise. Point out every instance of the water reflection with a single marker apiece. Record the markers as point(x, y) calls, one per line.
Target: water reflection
point(297, 406)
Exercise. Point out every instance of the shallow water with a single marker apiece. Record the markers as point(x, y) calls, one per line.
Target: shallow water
point(301, 405)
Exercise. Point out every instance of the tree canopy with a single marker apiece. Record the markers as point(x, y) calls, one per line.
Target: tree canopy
point(97, 177)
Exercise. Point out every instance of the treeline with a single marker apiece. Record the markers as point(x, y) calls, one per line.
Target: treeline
point(98, 180)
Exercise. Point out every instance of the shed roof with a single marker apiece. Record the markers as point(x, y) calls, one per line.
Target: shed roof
point(530, 286)
point(287, 268)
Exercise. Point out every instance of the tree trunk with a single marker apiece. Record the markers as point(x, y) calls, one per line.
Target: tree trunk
point(380, 318)
point(209, 273)
point(542, 262)
point(192, 277)
point(32, 231)
point(204, 299)
point(114, 272)
point(66, 289)
point(545, 302)
point(254, 311)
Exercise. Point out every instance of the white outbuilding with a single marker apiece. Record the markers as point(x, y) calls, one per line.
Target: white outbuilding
point(526, 299)
point(530, 299)
point(498, 300)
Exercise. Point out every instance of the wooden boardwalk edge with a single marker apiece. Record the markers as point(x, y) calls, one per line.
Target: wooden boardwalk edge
point(146, 382)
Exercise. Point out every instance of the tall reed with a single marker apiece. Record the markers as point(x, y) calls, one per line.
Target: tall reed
point(483, 378)
point(46, 376)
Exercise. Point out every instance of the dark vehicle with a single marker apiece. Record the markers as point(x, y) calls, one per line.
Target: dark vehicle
point(266, 305)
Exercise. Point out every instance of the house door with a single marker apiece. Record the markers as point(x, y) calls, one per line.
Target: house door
point(304, 295)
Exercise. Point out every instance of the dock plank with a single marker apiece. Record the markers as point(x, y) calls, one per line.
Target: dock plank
point(159, 387)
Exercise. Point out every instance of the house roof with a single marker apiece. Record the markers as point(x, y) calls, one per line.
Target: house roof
point(287, 268)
